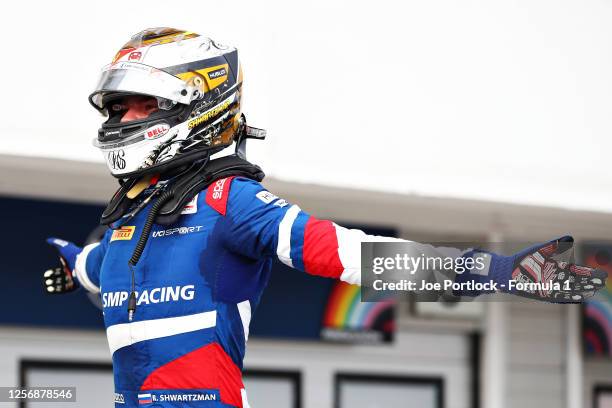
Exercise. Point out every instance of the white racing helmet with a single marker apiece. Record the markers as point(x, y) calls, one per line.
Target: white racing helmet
point(170, 97)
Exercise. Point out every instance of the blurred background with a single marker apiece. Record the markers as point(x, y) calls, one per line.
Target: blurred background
point(432, 121)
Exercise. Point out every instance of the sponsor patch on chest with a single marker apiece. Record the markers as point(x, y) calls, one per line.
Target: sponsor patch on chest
point(124, 233)
point(150, 296)
point(176, 231)
point(192, 206)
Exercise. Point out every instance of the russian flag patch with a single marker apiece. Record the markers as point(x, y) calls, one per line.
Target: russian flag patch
point(144, 399)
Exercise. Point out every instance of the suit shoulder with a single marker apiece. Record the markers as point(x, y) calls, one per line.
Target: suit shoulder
point(231, 191)
point(243, 185)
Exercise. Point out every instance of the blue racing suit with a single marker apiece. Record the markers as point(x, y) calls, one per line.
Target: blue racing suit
point(197, 284)
point(199, 281)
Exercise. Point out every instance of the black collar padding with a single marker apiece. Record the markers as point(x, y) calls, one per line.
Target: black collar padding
point(184, 189)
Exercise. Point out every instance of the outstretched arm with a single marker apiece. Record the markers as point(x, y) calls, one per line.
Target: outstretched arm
point(257, 223)
point(77, 266)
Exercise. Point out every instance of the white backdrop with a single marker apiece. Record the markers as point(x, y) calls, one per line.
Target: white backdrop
point(497, 100)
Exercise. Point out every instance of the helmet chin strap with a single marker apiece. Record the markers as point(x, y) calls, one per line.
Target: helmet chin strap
point(141, 185)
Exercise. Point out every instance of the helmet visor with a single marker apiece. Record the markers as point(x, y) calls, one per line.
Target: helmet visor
point(140, 79)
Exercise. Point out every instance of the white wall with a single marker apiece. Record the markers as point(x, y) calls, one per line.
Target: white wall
point(536, 356)
point(413, 354)
point(505, 100)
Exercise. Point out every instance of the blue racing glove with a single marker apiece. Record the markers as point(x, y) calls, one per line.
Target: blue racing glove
point(537, 272)
point(60, 279)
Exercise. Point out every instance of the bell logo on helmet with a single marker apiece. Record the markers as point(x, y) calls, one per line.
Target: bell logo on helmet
point(156, 131)
point(116, 159)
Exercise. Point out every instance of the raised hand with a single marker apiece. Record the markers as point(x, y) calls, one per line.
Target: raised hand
point(60, 279)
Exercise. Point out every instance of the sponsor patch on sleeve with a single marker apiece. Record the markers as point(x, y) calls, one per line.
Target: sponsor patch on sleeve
point(266, 197)
point(281, 203)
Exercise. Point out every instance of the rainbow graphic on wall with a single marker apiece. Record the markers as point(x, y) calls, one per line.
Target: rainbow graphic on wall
point(597, 312)
point(348, 319)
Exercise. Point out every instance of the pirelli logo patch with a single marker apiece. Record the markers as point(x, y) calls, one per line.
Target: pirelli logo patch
point(123, 234)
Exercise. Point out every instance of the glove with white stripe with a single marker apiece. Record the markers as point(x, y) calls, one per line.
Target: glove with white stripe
point(60, 280)
point(541, 272)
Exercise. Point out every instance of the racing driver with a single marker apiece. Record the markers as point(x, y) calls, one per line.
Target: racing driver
point(192, 233)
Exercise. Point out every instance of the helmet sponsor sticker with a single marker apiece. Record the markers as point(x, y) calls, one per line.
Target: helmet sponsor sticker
point(135, 56)
point(210, 113)
point(133, 66)
point(124, 233)
point(156, 131)
point(266, 197)
point(121, 53)
point(217, 73)
point(112, 133)
point(116, 159)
